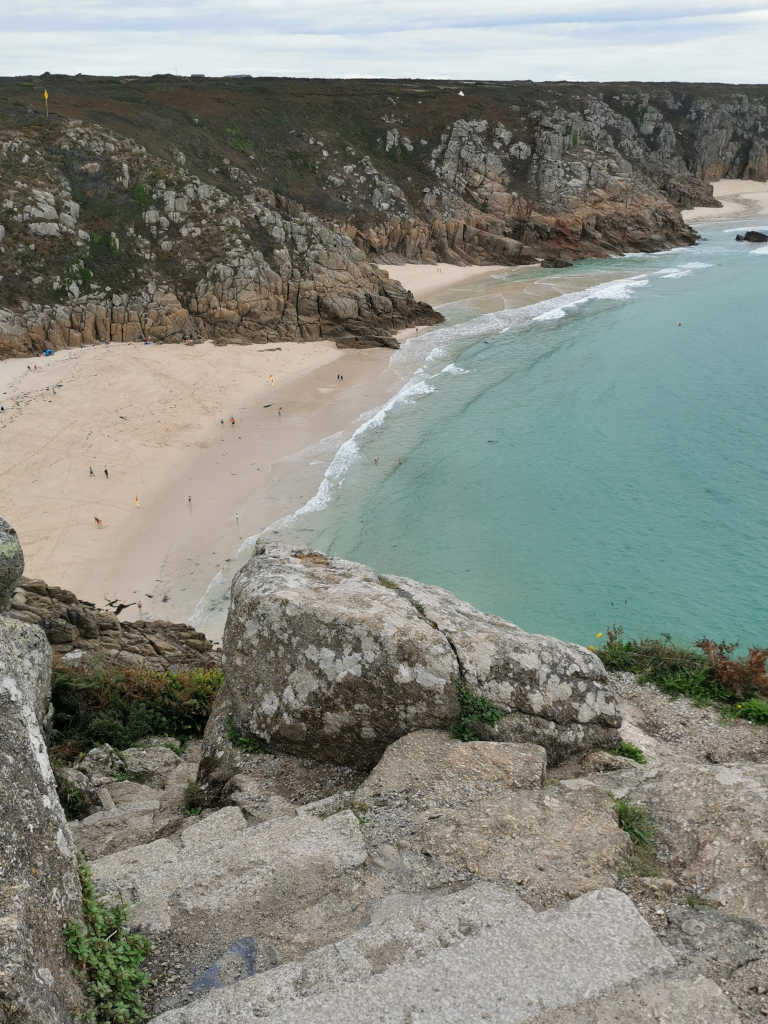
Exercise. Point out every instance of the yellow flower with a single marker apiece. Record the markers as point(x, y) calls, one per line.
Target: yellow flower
point(598, 635)
point(590, 648)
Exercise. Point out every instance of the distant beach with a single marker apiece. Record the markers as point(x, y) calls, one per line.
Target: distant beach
point(158, 418)
point(741, 200)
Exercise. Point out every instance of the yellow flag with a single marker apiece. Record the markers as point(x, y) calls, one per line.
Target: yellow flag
point(45, 94)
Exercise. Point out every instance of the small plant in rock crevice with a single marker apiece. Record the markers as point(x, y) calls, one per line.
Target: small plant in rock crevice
point(635, 822)
point(630, 751)
point(473, 709)
point(108, 959)
point(193, 799)
point(242, 741)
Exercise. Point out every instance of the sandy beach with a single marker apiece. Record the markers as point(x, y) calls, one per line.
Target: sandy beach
point(741, 200)
point(152, 416)
point(185, 484)
point(428, 280)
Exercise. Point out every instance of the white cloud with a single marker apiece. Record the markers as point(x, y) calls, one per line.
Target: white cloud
point(501, 39)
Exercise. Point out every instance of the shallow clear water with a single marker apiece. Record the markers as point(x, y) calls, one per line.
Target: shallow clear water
point(580, 462)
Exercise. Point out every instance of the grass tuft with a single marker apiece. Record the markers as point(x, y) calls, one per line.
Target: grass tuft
point(629, 750)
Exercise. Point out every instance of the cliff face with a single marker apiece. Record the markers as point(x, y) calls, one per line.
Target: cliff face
point(253, 209)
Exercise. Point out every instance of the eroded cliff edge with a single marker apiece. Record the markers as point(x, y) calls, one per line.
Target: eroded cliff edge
point(254, 209)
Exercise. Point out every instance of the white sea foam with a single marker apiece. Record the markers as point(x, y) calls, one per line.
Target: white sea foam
point(760, 251)
point(683, 270)
point(733, 231)
point(348, 452)
point(553, 314)
point(454, 369)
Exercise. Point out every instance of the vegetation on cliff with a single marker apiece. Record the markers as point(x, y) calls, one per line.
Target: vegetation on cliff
point(707, 675)
point(118, 705)
point(255, 208)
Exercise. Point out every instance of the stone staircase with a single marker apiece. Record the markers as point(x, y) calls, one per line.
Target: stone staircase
point(480, 954)
point(282, 922)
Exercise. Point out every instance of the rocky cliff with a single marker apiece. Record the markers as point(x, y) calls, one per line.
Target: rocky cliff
point(253, 209)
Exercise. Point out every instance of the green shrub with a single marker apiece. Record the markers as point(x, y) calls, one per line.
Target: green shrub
point(704, 676)
point(473, 709)
point(754, 710)
point(108, 960)
point(141, 194)
point(623, 749)
point(121, 705)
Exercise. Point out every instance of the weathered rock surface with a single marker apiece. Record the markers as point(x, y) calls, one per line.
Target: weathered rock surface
point(476, 955)
point(752, 236)
point(682, 999)
point(39, 886)
point(325, 659)
point(11, 562)
point(712, 822)
point(82, 631)
point(554, 843)
point(432, 767)
point(731, 951)
point(128, 812)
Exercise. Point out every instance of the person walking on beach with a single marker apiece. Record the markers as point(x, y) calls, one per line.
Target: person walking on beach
point(137, 502)
point(232, 420)
point(189, 499)
point(280, 411)
point(106, 473)
point(90, 471)
point(98, 522)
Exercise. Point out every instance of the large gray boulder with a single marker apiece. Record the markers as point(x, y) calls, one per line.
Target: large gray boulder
point(39, 885)
point(326, 659)
point(11, 562)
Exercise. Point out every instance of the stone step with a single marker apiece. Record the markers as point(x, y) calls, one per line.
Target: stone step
point(220, 882)
point(480, 954)
point(405, 927)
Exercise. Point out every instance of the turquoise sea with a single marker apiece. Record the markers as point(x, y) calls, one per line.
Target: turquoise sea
point(591, 452)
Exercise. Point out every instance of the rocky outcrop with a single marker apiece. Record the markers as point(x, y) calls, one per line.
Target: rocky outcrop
point(324, 658)
point(257, 227)
point(80, 631)
point(39, 885)
point(11, 563)
point(752, 236)
point(184, 258)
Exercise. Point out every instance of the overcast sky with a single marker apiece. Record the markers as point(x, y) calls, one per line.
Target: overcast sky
point(655, 40)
